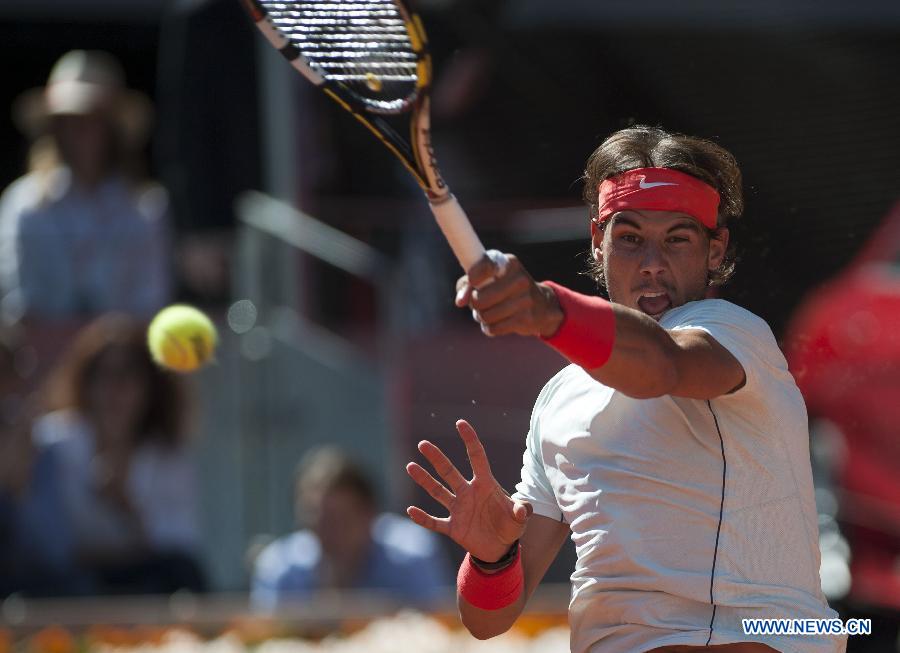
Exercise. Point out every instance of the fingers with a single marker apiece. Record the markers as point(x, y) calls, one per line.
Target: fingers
point(428, 483)
point(516, 307)
point(502, 273)
point(474, 450)
point(463, 292)
point(520, 315)
point(507, 305)
point(522, 510)
point(425, 520)
point(489, 267)
point(515, 282)
point(500, 260)
point(492, 266)
point(442, 466)
point(521, 324)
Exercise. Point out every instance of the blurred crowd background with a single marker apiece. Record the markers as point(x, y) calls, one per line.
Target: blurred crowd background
point(157, 151)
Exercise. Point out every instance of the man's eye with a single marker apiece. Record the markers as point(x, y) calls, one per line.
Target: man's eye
point(678, 239)
point(629, 238)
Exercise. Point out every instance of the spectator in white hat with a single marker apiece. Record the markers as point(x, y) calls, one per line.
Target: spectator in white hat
point(81, 233)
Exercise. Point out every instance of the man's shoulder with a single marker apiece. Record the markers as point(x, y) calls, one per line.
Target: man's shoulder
point(569, 398)
point(63, 428)
point(23, 188)
point(33, 191)
point(297, 550)
point(571, 378)
point(747, 336)
point(152, 198)
point(22, 196)
point(707, 312)
point(713, 307)
point(400, 538)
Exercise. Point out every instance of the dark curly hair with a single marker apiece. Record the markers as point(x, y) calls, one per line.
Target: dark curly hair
point(652, 147)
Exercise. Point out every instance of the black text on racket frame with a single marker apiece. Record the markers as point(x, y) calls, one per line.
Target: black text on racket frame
point(343, 47)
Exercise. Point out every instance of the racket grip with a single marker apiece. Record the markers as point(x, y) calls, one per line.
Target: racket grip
point(458, 231)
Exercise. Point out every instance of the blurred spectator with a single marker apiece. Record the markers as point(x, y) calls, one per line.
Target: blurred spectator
point(349, 545)
point(82, 233)
point(116, 429)
point(844, 350)
point(35, 543)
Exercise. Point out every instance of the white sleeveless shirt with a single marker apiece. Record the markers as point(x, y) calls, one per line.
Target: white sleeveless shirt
point(687, 515)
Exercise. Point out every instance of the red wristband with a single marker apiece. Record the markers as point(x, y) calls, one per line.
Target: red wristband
point(490, 591)
point(588, 330)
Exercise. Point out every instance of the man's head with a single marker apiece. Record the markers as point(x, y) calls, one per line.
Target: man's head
point(336, 498)
point(660, 237)
point(85, 117)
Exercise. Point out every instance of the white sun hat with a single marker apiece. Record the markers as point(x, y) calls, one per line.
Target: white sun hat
point(80, 83)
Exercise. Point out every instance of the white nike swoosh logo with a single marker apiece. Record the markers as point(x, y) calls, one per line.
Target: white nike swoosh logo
point(654, 184)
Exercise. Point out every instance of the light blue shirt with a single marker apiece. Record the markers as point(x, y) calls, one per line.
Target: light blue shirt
point(65, 252)
point(405, 561)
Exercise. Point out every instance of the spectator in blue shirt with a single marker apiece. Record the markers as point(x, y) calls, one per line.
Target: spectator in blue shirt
point(349, 546)
point(37, 556)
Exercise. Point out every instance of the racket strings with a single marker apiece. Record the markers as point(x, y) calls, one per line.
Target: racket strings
point(364, 45)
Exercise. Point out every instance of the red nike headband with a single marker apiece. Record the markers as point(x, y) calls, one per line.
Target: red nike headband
point(660, 189)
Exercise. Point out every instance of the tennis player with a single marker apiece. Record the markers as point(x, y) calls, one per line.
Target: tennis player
point(673, 450)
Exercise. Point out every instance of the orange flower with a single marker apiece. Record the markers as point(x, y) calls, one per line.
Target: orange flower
point(53, 639)
point(253, 630)
point(111, 636)
point(153, 635)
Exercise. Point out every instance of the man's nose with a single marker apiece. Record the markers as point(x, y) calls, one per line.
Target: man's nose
point(653, 261)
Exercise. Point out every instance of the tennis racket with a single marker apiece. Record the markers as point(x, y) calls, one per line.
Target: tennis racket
point(370, 57)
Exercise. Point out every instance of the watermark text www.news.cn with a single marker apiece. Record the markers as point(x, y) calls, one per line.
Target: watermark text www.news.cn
point(807, 626)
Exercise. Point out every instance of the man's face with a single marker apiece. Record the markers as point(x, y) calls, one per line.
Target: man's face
point(85, 143)
point(342, 520)
point(657, 260)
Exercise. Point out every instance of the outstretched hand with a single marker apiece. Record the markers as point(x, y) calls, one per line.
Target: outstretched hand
point(505, 299)
point(483, 519)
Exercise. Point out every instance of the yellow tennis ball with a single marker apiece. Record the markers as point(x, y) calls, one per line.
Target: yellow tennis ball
point(181, 338)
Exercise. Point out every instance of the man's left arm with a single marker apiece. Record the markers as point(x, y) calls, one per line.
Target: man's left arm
point(648, 361)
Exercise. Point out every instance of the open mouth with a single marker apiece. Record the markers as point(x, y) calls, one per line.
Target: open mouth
point(654, 304)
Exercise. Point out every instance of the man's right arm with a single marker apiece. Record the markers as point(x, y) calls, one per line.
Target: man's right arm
point(540, 543)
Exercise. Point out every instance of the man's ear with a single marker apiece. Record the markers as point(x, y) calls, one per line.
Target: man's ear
point(596, 242)
point(718, 246)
